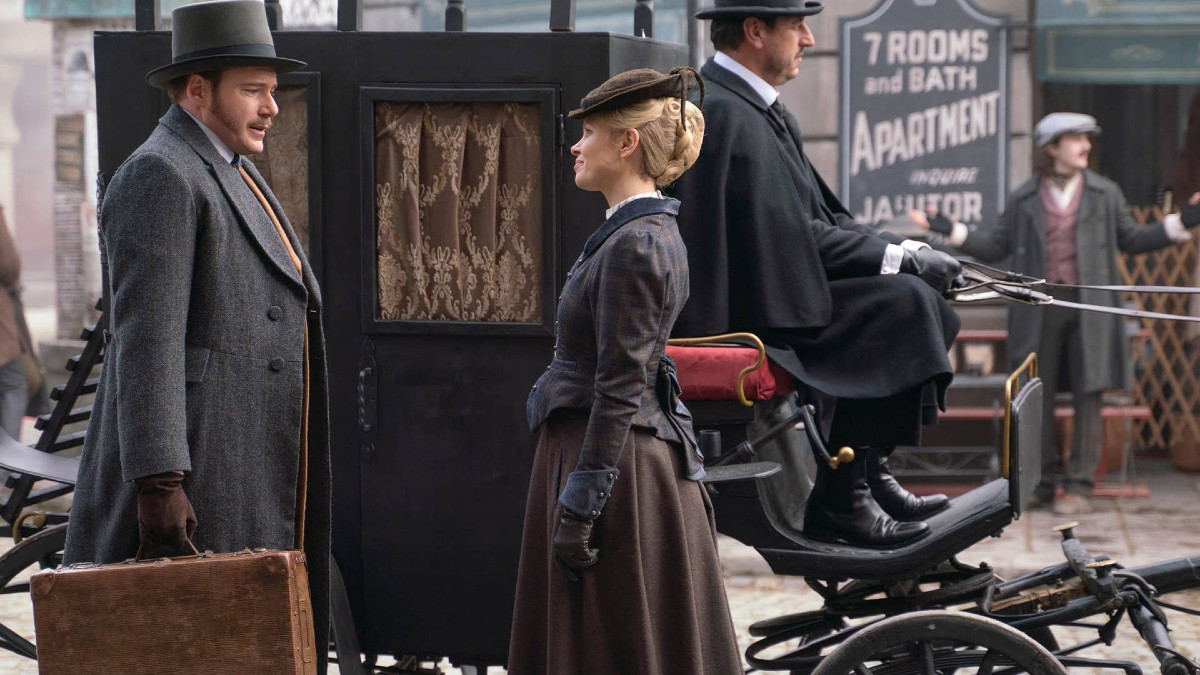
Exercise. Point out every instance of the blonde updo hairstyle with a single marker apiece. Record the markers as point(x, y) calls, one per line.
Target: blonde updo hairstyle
point(669, 147)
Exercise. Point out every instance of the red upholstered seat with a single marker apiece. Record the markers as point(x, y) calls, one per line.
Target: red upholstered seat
point(710, 373)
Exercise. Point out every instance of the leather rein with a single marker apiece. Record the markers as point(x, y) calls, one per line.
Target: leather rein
point(982, 282)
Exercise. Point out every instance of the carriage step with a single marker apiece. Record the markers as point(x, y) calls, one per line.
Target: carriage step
point(73, 362)
point(88, 387)
point(81, 414)
point(67, 441)
point(737, 472)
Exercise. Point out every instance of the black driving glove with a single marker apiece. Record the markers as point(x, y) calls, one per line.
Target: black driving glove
point(1190, 215)
point(935, 268)
point(939, 223)
point(573, 544)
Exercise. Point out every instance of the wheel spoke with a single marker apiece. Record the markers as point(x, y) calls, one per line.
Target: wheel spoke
point(862, 669)
point(989, 662)
point(927, 658)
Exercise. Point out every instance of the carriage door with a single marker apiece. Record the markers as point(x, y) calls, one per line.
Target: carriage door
point(458, 291)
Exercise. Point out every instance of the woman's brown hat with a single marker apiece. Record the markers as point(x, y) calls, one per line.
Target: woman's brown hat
point(635, 86)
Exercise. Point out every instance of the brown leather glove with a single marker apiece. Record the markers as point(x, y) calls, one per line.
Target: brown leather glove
point(165, 516)
point(573, 545)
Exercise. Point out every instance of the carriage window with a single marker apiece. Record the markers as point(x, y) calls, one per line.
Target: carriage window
point(458, 209)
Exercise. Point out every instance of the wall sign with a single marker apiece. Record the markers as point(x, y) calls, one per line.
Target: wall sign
point(924, 114)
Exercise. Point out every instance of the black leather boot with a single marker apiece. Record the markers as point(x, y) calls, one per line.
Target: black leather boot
point(841, 508)
point(895, 500)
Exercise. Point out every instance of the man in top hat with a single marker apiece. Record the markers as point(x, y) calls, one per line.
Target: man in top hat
point(1065, 224)
point(210, 422)
point(857, 318)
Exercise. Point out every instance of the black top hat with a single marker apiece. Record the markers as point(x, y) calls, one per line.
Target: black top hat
point(732, 9)
point(634, 86)
point(210, 36)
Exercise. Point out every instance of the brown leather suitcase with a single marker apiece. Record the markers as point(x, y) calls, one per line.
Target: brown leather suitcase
point(245, 612)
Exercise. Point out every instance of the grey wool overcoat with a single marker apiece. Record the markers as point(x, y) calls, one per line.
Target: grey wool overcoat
point(204, 366)
point(1103, 227)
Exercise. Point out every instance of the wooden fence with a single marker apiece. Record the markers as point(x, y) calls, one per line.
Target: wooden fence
point(1166, 364)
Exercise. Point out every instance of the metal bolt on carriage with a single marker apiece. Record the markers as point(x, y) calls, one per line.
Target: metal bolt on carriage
point(430, 452)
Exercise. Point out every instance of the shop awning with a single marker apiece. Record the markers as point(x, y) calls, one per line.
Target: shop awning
point(1119, 41)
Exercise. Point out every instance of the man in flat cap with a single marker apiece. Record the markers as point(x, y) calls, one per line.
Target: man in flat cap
point(210, 424)
point(1065, 224)
point(858, 319)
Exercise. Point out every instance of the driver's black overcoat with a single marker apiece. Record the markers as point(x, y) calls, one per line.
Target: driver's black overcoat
point(772, 251)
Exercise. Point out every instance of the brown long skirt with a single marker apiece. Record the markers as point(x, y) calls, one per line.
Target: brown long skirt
point(654, 603)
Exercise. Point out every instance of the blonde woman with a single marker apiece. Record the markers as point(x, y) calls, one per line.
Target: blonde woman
point(619, 571)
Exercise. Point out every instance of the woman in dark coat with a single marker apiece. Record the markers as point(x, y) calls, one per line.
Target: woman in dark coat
point(619, 571)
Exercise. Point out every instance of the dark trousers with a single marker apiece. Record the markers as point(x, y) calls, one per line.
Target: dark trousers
point(1061, 345)
point(14, 397)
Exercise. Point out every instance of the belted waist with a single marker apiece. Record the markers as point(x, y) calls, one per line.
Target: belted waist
point(570, 384)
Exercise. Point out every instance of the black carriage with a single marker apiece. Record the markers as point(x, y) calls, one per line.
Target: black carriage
point(430, 449)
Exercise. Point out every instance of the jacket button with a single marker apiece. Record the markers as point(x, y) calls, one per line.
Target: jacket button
point(274, 313)
point(276, 364)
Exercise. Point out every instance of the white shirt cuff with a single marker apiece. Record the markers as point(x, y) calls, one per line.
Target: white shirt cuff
point(958, 235)
point(892, 257)
point(1176, 232)
point(913, 245)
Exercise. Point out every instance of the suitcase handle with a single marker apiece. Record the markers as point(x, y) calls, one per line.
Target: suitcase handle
point(137, 557)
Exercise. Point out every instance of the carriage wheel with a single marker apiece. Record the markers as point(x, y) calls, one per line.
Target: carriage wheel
point(38, 551)
point(939, 642)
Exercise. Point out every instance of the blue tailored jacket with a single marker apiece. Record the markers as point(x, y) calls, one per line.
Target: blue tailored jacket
point(615, 313)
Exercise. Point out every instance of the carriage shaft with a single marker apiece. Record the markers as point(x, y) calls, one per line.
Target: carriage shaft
point(1154, 632)
point(1171, 576)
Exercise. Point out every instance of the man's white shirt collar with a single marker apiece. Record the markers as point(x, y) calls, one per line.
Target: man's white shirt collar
point(1063, 195)
point(222, 149)
point(765, 91)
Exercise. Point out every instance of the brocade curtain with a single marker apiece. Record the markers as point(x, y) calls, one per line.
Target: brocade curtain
point(458, 207)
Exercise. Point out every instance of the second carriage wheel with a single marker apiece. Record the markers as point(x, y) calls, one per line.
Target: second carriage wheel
point(939, 642)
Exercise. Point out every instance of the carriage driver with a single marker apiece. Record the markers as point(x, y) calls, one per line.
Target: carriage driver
point(858, 319)
point(210, 417)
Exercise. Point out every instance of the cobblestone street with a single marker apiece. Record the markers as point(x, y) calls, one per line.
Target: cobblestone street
point(1132, 531)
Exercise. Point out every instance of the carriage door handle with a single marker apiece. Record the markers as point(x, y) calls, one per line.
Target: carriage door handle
point(368, 397)
point(364, 423)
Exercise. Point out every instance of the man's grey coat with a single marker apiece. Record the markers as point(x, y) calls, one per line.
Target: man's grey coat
point(1102, 227)
point(203, 371)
